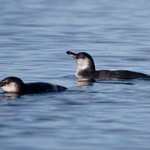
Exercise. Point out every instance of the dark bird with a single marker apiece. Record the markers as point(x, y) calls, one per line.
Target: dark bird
point(16, 85)
point(86, 69)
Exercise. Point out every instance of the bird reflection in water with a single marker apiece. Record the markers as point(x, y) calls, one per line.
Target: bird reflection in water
point(81, 82)
point(85, 82)
point(12, 95)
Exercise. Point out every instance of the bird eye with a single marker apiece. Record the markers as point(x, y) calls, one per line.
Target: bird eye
point(5, 81)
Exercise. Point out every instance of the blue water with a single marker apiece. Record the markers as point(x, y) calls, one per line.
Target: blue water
point(34, 38)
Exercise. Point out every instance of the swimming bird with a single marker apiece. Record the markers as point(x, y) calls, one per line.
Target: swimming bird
point(86, 69)
point(16, 85)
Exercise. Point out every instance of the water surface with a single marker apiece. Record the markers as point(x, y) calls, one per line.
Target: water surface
point(34, 36)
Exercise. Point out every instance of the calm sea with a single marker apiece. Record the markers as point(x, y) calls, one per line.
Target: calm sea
point(34, 38)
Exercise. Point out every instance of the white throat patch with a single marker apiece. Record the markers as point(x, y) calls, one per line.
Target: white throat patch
point(82, 64)
point(12, 87)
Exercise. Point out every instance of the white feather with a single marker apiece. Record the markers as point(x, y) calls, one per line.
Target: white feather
point(82, 65)
point(12, 87)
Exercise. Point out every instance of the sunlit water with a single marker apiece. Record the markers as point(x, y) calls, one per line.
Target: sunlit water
point(34, 36)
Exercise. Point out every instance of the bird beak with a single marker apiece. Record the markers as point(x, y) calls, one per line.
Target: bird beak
point(1, 84)
point(72, 54)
